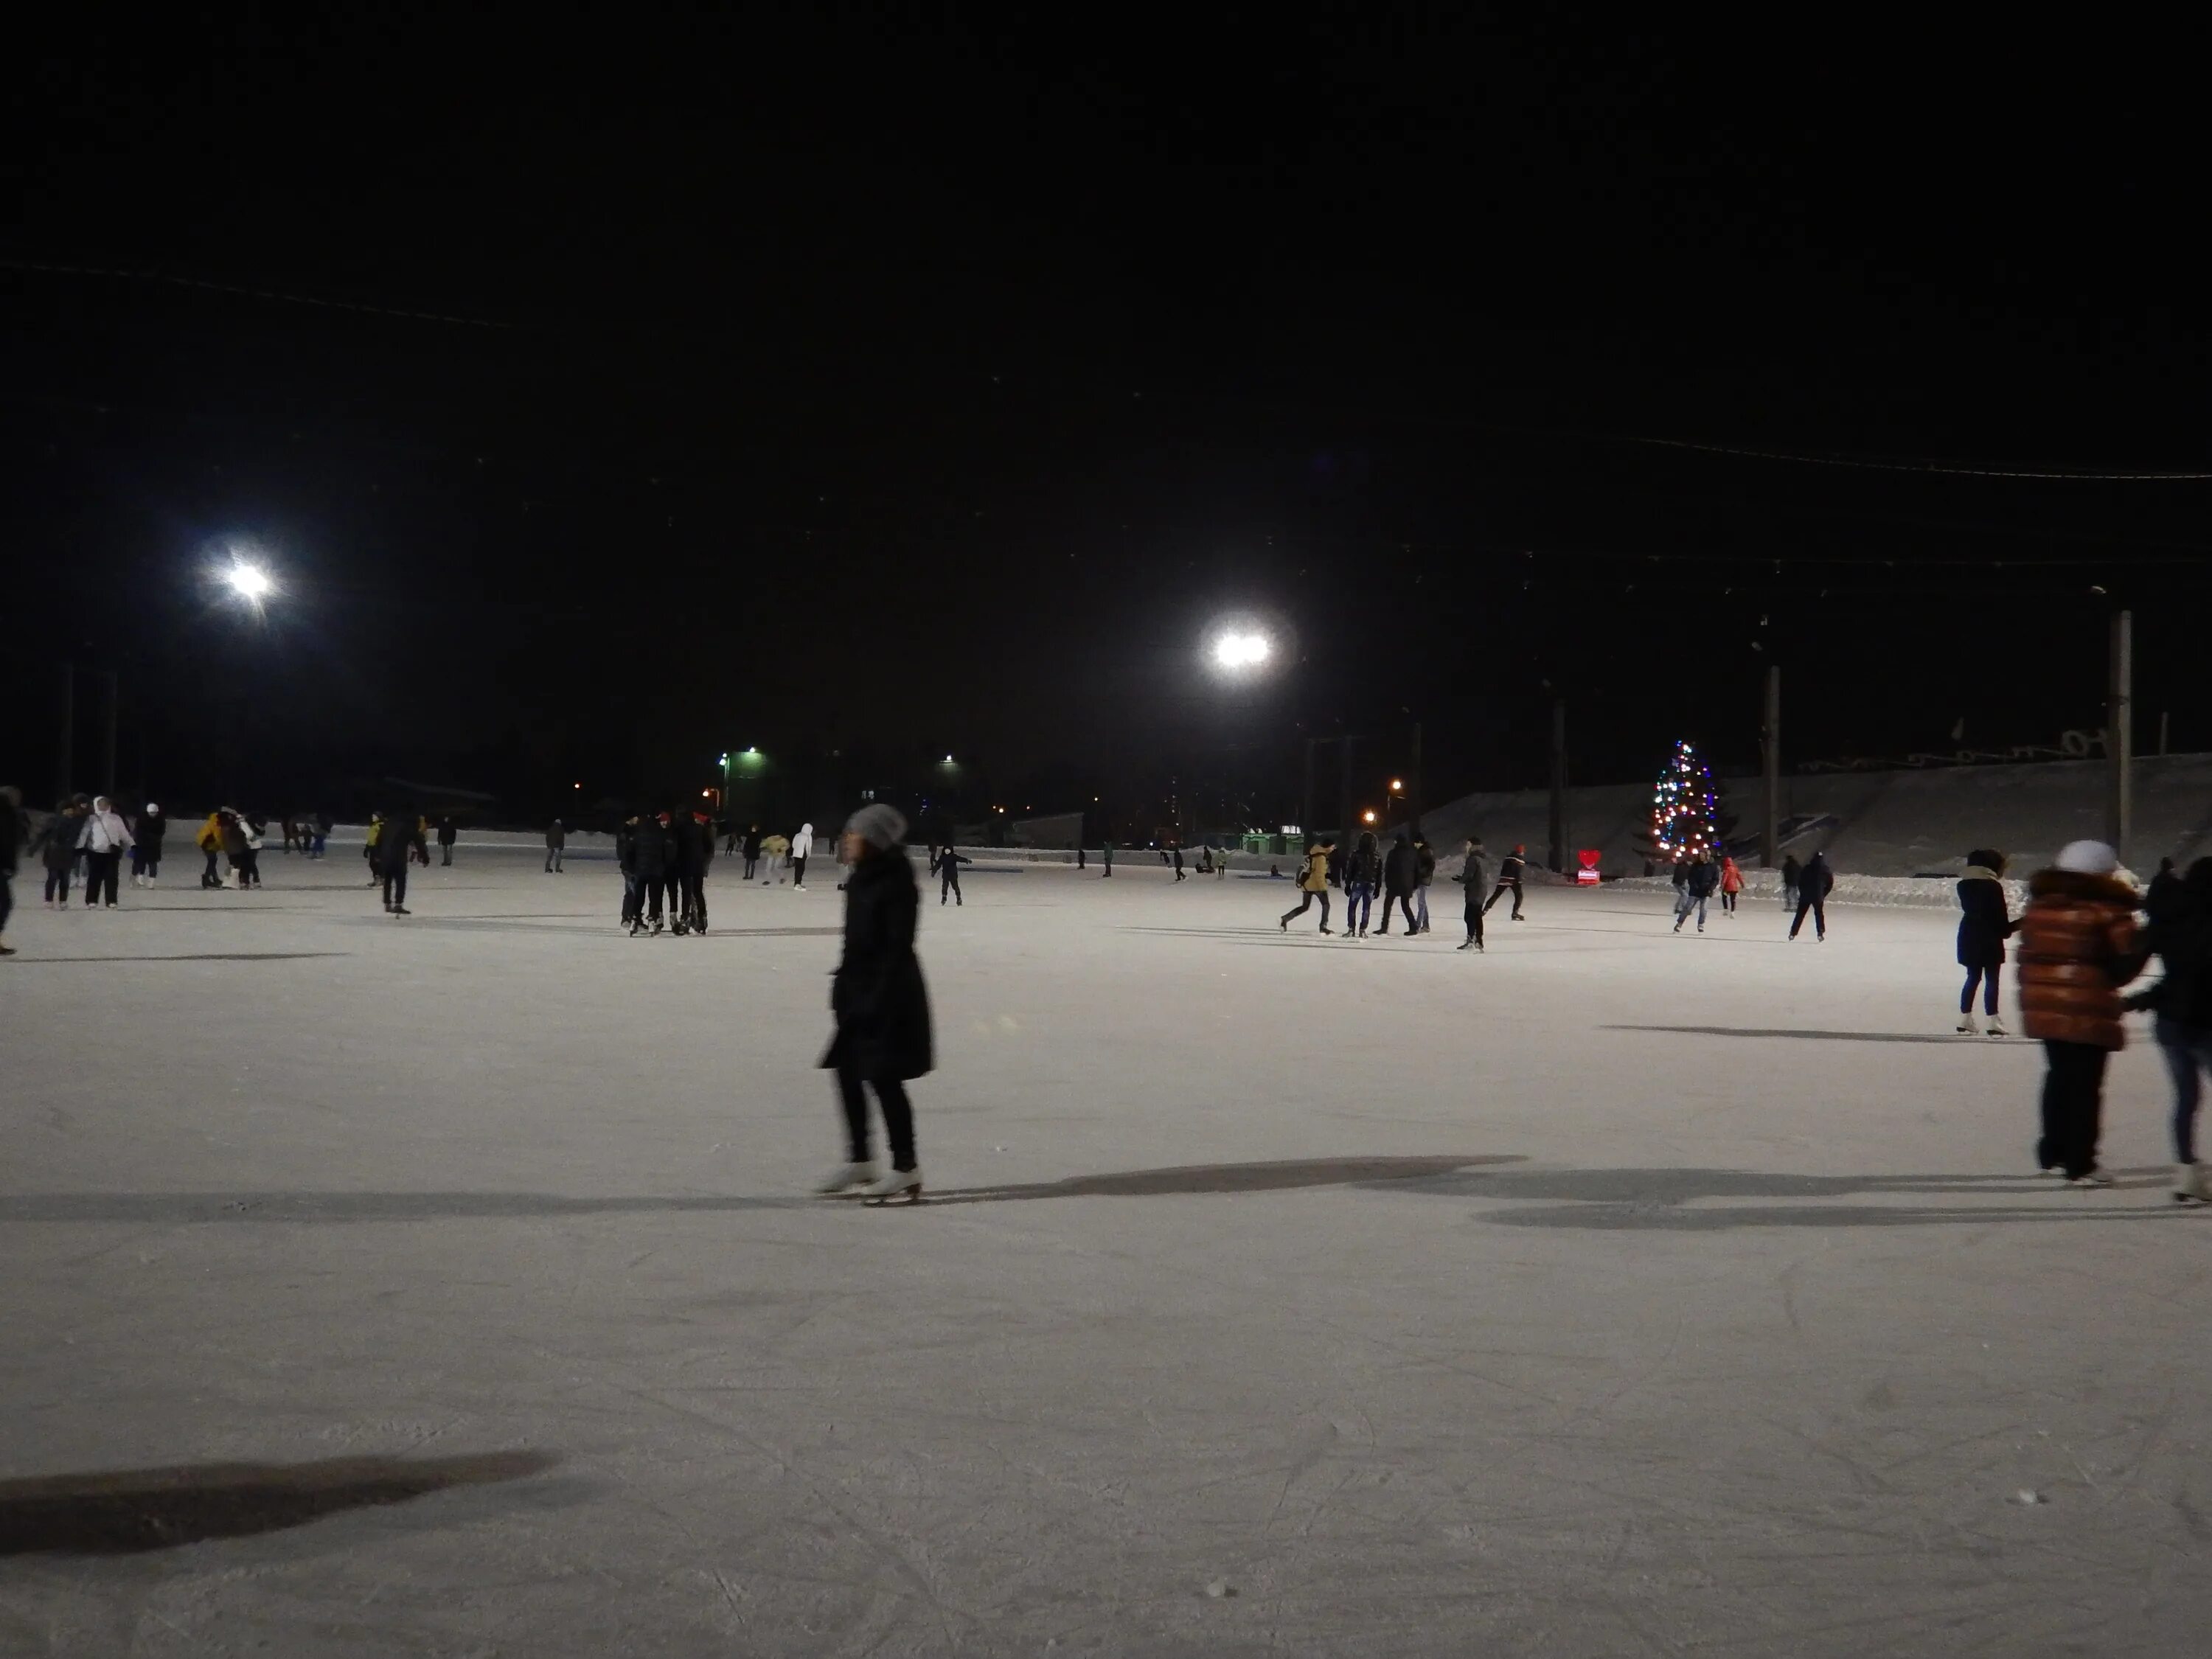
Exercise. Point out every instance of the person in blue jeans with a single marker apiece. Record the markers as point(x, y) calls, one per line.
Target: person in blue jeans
point(1363, 874)
point(2180, 935)
point(1698, 882)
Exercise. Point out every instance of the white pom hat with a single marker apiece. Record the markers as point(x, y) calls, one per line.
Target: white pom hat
point(2088, 858)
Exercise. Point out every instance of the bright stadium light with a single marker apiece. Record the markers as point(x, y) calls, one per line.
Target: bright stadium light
point(250, 581)
point(1237, 650)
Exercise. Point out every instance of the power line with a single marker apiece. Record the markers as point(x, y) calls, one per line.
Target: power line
point(277, 295)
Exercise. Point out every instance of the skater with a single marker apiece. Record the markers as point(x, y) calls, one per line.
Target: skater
point(1109, 860)
point(103, 838)
point(2180, 936)
point(148, 833)
point(947, 870)
point(1701, 877)
point(883, 1040)
point(1398, 868)
point(1792, 873)
point(1984, 924)
point(1508, 879)
point(649, 864)
point(773, 848)
point(1080, 864)
point(447, 834)
point(802, 846)
point(372, 836)
point(322, 835)
point(1731, 883)
point(693, 843)
point(633, 900)
point(1363, 874)
point(1313, 883)
point(1814, 883)
point(55, 845)
point(2162, 897)
point(1424, 871)
point(1177, 860)
point(2077, 948)
point(15, 835)
point(396, 847)
point(1470, 877)
point(752, 850)
point(292, 834)
point(556, 842)
point(209, 839)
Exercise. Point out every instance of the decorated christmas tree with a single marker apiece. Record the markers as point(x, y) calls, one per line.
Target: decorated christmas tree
point(1685, 807)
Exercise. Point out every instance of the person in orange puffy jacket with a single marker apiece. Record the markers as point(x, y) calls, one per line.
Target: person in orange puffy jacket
point(2078, 946)
point(1731, 883)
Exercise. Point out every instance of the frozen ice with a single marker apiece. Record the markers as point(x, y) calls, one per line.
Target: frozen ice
point(449, 1284)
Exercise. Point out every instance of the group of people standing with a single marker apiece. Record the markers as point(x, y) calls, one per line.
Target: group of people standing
point(2081, 945)
point(1403, 876)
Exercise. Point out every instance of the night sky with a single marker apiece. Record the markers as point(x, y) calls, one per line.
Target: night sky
point(608, 398)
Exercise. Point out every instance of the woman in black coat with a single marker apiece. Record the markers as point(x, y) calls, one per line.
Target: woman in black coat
point(1984, 924)
point(881, 1006)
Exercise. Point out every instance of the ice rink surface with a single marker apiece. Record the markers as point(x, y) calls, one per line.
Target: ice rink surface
point(444, 1285)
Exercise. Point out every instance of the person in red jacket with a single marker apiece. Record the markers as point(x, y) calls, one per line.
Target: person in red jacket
point(1731, 883)
point(2078, 946)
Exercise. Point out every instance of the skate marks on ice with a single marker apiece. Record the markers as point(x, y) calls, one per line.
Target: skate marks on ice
point(128, 1511)
point(1951, 1039)
point(185, 1209)
point(1284, 1175)
point(1710, 1201)
point(200, 955)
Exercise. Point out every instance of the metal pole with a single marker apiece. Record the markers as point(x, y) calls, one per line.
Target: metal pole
point(1306, 801)
point(66, 760)
point(107, 779)
point(2164, 716)
point(1770, 744)
point(2119, 746)
point(1413, 795)
point(1559, 825)
point(1344, 786)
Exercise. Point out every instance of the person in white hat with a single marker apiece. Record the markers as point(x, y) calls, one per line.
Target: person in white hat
point(2078, 946)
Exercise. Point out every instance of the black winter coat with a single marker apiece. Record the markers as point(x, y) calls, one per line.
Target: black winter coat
point(148, 832)
point(1398, 864)
point(400, 835)
point(649, 857)
point(694, 845)
point(1472, 877)
point(1362, 866)
point(879, 998)
point(1510, 866)
point(447, 834)
point(1703, 880)
point(1815, 880)
point(2181, 937)
point(1985, 923)
point(14, 832)
point(57, 839)
point(625, 848)
point(1425, 865)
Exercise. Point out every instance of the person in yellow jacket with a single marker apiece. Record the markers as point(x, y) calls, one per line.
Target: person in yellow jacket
point(774, 850)
point(368, 849)
point(1313, 885)
point(209, 841)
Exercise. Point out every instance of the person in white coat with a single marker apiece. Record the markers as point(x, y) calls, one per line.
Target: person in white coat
point(103, 838)
point(801, 845)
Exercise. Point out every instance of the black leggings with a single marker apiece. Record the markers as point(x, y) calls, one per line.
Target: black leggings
point(2073, 1107)
point(57, 884)
point(100, 870)
point(898, 1117)
point(1474, 922)
point(1306, 897)
point(395, 886)
point(1818, 910)
point(1975, 977)
point(1404, 901)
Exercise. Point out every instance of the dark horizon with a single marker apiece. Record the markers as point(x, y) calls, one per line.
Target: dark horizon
point(896, 391)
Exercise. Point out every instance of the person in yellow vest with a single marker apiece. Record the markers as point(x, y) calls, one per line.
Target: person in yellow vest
point(368, 847)
point(209, 841)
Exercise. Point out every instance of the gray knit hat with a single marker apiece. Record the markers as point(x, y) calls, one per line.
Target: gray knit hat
point(882, 826)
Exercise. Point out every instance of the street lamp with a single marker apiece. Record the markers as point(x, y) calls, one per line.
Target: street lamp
point(1238, 649)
